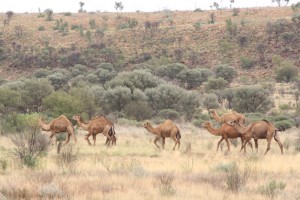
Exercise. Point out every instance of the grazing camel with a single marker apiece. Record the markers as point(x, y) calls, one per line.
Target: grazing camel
point(226, 131)
point(232, 116)
point(166, 129)
point(58, 125)
point(258, 130)
point(97, 125)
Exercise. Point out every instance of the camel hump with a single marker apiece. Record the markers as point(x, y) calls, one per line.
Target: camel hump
point(265, 120)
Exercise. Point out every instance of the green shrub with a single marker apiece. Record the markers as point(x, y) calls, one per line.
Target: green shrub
point(215, 84)
point(3, 164)
point(67, 13)
point(272, 188)
point(197, 25)
point(171, 70)
point(138, 110)
point(210, 101)
point(168, 114)
point(41, 28)
point(226, 72)
point(286, 72)
point(247, 63)
point(92, 23)
point(193, 78)
point(283, 125)
point(236, 178)
point(249, 99)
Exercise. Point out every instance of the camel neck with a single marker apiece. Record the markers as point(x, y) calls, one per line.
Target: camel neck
point(44, 126)
point(212, 130)
point(216, 116)
point(83, 125)
point(240, 129)
point(151, 129)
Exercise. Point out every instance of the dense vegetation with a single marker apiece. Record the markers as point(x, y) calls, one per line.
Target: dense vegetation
point(149, 78)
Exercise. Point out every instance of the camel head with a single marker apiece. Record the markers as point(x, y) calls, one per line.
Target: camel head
point(206, 124)
point(76, 117)
point(212, 111)
point(231, 123)
point(147, 125)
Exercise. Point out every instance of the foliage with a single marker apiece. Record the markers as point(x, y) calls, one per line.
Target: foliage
point(14, 122)
point(166, 183)
point(210, 101)
point(215, 84)
point(33, 92)
point(171, 70)
point(140, 79)
point(252, 99)
point(67, 159)
point(10, 100)
point(60, 102)
point(286, 72)
point(29, 146)
point(283, 125)
point(193, 77)
point(272, 188)
point(226, 72)
point(49, 14)
point(231, 27)
point(168, 114)
point(116, 98)
point(165, 96)
point(247, 63)
point(138, 110)
point(236, 178)
point(197, 25)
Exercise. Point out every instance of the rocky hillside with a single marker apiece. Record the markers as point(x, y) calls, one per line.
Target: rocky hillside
point(250, 40)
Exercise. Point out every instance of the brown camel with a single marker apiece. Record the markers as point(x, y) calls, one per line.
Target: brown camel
point(97, 125)
point(226, 131)
point(258, 130)
point(166, 129)
point(232, 116)
point(59, 125)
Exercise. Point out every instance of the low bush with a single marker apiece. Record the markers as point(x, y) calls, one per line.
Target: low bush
point(272, 188)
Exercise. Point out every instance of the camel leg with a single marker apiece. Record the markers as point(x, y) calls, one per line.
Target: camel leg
point(219, 143)
point(277, 139)
point(178, 142)
point(163, 142)
point(107, 142)
point(155, 140)
point(94, 139)
point(175, 140)
point(87, 138)
point(269, 144)
point(67, 139)
point(242, 142)
point(250, 144)
point(228, 146)
point(256, 145)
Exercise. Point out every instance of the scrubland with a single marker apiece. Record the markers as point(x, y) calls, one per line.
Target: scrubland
point(136, 169)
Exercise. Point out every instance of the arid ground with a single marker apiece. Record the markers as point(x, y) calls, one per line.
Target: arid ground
point(136, 169)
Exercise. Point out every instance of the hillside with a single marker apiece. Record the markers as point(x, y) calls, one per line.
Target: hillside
point(124, 39)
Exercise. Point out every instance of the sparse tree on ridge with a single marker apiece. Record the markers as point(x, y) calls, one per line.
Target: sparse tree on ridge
point(81, 6)
point(119, 6)
point(279, 2)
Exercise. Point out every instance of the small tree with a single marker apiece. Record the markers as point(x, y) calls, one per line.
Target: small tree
point(226, 72)
point(210, 101)
point(119, 6)
point(49, 13)
point(286, 72)
point(81, 4)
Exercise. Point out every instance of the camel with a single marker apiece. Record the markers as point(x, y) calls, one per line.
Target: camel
point(59, 125)
point(226, 131)
point(97, 125)
point(258, 130)
point(233, 116)
point(166, 129)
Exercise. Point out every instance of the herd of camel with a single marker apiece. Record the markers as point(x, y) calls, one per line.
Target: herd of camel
point(233, 126)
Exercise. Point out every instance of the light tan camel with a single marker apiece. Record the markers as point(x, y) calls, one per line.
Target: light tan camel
point(59, 125)
point(97, 125)
point(258, 130)
point(166, 129)
point(225, 131)
point(232, 116)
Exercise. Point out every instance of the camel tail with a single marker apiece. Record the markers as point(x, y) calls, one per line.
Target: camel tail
point(265, 120)
point(112, 131)
point(178, 135)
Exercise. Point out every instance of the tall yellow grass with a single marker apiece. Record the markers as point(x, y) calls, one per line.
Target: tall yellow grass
point(133, 169)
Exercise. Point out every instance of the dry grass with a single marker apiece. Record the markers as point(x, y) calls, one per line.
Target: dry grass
point(135, 169)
